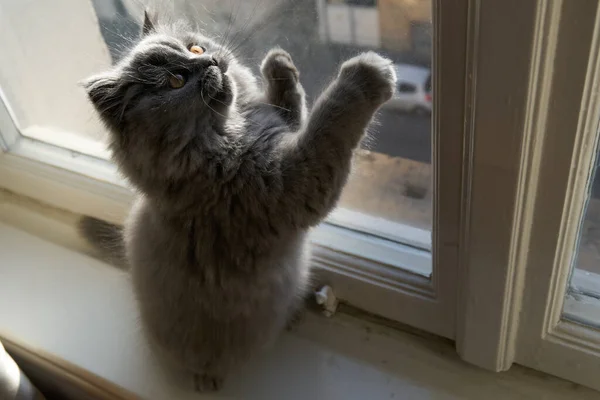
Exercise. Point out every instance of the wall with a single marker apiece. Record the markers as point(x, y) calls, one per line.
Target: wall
point(48, 47)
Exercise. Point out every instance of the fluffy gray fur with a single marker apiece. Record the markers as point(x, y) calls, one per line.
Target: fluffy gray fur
point(231, 175)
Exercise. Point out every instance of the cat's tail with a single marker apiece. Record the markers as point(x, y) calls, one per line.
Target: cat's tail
point(106, 238)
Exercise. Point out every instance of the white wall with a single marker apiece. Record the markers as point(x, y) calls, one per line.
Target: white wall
point(46, 48)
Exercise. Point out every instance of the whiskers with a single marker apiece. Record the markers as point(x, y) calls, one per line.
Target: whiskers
point(208, 105)
point(273, 105)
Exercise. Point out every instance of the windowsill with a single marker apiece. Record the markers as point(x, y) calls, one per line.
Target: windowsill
point(77, 143)
point(78, 310)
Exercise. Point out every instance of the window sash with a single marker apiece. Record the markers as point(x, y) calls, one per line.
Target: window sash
point(516, 274)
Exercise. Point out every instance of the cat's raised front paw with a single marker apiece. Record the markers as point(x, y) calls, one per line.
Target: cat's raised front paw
point(374, 74)
point(278, 66)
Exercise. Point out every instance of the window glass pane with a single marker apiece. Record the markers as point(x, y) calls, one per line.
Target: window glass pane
point(583, 296)
point(48, 47)
point(53, 45)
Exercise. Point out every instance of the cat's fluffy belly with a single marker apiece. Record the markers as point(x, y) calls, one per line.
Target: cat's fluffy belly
point(211, 320)
point(229, 184)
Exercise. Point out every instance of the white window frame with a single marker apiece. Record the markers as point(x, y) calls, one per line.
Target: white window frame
point(507, 61)
point(547, 339)
point(381, 276)
point(517, 277)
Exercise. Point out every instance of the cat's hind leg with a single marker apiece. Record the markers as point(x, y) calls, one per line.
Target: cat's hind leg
point(282, 87)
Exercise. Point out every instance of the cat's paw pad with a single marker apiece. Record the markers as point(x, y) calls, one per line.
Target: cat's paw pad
point(278, 67)
point(207, 383)
point(374, 74)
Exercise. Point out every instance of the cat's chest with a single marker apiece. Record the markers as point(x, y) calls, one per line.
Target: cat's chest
point(264, 120)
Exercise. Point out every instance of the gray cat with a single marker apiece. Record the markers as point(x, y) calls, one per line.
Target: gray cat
point(230, 178)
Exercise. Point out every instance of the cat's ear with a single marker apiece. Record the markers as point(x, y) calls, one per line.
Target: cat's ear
point(102, 90)
point(148, 26)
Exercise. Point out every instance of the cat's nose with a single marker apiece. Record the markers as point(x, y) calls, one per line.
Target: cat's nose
point(205, 61)
point(221, 62)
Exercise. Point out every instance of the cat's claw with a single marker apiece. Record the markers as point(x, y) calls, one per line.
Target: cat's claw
point(376, 75)
point(207, 383)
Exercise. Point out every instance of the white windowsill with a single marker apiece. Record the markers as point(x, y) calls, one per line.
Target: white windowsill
point(72, 141)
point(81, 311)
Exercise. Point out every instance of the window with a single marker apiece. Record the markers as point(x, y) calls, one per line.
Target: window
point(531, 294)
point(40, 87)
point(559, 329)
point(473, 209)
point(379, 247)
point(582, 302)
point(393, 178)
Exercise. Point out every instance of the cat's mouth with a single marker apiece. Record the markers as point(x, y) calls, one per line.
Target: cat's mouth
point(212, 82)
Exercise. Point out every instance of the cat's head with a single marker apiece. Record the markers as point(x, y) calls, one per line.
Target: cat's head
point(171, 72)
point(174, 86)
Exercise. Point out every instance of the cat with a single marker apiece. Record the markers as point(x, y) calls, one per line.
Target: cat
point(231, 175)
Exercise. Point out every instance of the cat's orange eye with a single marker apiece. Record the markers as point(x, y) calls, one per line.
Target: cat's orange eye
point(197, 49)
point(176, 81)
